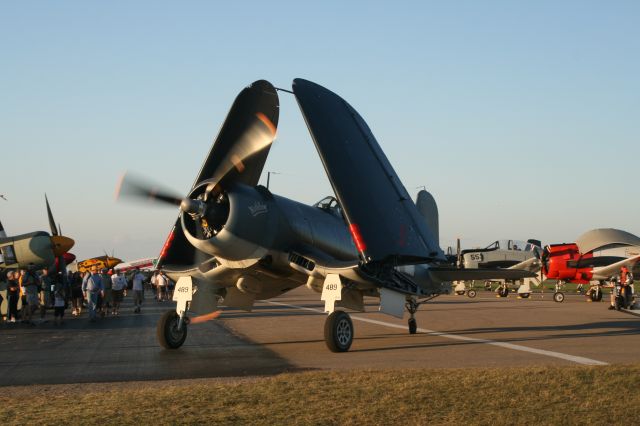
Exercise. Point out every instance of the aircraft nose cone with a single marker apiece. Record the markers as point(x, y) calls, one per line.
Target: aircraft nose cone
point(61, 244)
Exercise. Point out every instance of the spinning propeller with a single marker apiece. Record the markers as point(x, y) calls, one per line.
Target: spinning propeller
point(259, 135)
point(237, 156)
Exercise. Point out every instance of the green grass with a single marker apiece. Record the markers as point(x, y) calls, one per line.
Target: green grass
point(536, 395)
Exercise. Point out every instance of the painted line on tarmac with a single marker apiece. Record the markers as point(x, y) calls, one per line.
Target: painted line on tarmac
point(559, 355)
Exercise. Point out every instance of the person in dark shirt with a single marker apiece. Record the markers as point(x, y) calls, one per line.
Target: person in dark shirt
point(13, 294)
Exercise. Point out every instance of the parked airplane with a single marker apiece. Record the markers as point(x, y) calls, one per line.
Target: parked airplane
point(511, 254)
point(37, 248)
point(235, 242)
point(595, 257)
point(146, 263)
point(100, 262)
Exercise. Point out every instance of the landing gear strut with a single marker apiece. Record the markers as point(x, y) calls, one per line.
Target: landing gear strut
point(172, 330)
point(412, 307)
point(558, 296)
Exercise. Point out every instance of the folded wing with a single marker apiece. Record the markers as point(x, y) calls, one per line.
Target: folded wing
point(384, 221)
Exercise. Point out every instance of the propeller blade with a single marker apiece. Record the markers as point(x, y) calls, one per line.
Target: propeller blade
point(206, 317)
point(143, 190)
point(52, 222)
point(259, 135)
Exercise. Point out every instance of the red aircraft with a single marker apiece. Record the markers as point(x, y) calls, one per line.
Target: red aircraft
point(595, 257)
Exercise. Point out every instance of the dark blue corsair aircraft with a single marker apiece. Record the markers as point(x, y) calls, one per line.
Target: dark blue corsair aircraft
point(235, 242)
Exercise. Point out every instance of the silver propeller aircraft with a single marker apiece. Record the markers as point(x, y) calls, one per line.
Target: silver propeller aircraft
point(235, 242)
point(35, 248)
point(510, 254)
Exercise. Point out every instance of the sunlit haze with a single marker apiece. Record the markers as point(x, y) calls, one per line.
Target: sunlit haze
point(521, 118)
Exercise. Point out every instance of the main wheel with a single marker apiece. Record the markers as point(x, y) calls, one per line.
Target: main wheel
point(471, 293)
point(558, 296)
point(524, 295)
point(503, 292)
point(338, 331)
point(167, 331)
point(596, 296)
point(413, 326)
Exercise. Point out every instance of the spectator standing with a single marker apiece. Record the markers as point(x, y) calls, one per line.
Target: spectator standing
point(45, 292)
point(92, 289)
point(29, 283)
point(13, 294)
point(138, 290)
point(59, 303)
point(163, 285)
point(76, 293)
point(107, 297)
point(2, 298)
point(118, 285)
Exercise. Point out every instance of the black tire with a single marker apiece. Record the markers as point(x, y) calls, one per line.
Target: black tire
point(471, 293)
point(596, 296)
point(338, 331)
point(167, 331)
point(558, 297)
point(503, 292)
point(627, 297)
point(459, 293)
point(618, 303)
point(413, 326)
point(524, 295)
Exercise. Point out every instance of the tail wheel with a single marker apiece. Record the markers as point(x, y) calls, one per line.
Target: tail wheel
point(338, 331)
point(503, 292)
point(524, 295)
point(169, 336)
point(413, 326)
point(558, 297)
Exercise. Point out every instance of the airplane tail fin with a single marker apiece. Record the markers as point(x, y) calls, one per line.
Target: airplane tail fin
point(428, 209)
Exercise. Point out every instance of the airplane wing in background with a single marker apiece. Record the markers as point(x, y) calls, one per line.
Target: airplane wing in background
point(384, 221)
point(456, 274)
point(532, 264)
point(607, 272)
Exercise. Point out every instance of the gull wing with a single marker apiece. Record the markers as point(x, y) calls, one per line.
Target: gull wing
point(384, 221)
point(258, 99)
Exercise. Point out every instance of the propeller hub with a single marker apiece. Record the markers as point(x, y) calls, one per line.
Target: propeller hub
point(193, 207)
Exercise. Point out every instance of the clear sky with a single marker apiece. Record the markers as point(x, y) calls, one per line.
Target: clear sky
point(522, 118)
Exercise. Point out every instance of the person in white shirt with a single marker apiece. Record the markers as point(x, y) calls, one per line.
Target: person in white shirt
point(118, 286)
point(162, 281)
point(138, 290)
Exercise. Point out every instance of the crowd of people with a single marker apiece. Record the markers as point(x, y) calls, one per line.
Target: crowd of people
point(100, 293)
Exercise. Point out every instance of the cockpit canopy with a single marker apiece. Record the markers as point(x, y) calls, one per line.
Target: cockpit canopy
point(330, 205)
point(517, 245)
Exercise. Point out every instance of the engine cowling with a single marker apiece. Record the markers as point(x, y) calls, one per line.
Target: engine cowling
point(236, 224)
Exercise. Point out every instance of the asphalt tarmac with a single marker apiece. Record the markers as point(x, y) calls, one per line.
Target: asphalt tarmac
point(286, 334)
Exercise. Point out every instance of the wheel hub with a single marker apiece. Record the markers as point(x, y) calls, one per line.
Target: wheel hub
point(343, 332)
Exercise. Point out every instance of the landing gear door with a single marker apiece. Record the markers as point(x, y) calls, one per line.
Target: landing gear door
point(392, 302)
point(183, 294)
